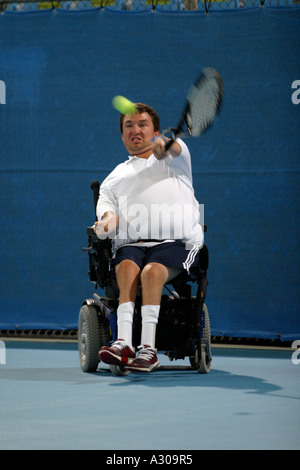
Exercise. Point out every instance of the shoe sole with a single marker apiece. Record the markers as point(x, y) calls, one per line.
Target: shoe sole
point(112, 359)
point(142, 369)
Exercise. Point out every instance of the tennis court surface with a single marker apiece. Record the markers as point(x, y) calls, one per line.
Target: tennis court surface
point(249, 400)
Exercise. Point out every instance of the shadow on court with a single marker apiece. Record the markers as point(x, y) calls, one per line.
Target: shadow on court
point(186, 378)
point(216, 379)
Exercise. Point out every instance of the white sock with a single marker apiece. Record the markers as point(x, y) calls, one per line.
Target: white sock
point(150, 314)
point(125, 319)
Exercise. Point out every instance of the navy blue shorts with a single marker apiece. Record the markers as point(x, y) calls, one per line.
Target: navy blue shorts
point(170, 254)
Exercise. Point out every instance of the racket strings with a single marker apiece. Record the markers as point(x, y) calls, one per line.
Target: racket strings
point(203, 98)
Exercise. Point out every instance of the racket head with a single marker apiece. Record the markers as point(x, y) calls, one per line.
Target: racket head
point(202, 104)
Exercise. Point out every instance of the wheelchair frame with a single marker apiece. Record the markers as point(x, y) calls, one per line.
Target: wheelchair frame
point(183, 328)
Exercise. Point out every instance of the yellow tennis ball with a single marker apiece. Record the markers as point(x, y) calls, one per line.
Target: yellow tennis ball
point(123, 105)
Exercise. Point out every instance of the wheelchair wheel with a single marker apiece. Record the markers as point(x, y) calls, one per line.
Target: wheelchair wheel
point(202, 356)
point(93, 333)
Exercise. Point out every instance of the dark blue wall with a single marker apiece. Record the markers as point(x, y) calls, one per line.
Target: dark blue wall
point(59, 133)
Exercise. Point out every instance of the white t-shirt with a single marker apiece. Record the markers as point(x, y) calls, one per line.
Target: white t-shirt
point(153, 199)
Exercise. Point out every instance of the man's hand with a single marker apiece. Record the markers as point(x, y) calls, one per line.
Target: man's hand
point(159, 148)
point(107, 226)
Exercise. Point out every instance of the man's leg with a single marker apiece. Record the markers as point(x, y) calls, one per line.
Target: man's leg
point(122, 351)
point(153, 278)
point(128, 275)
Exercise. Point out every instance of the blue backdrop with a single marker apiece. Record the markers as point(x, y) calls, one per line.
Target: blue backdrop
point(59, 133)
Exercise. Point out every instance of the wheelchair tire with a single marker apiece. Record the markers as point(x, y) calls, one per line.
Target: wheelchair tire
point(202, 358)
point(93, 333)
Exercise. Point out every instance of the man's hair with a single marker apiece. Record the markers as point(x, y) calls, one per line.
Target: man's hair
point(144, 108)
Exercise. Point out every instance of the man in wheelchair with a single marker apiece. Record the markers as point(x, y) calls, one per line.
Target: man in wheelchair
point(147, 208)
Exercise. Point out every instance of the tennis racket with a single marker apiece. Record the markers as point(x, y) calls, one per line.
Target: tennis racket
point(202, 104)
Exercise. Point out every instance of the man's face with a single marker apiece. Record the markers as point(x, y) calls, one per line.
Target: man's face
point(138, 130)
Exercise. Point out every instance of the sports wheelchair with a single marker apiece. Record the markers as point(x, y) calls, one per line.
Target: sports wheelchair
point(183, 328)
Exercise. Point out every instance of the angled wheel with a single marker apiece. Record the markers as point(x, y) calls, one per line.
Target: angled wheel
point(202, 355)
point(93, 333)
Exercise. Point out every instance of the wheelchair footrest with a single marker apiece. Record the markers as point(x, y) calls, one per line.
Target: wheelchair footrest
point(162, 368)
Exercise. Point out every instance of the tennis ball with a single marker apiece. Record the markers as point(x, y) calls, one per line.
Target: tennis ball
point(123, 105)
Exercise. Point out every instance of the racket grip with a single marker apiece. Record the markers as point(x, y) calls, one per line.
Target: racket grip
point(95, 187)
point(169, 144)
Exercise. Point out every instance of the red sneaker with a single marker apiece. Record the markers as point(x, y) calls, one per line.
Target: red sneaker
point(145, 361)
point(117, 354)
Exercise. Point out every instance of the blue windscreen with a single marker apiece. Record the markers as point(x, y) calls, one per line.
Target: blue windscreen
point(59, 71)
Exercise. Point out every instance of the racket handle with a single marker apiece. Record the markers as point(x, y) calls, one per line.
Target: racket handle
point(169, 144)
point(95, 187)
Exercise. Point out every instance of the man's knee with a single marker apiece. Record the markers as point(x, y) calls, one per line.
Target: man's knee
point(154, 272)
point(127, 266)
